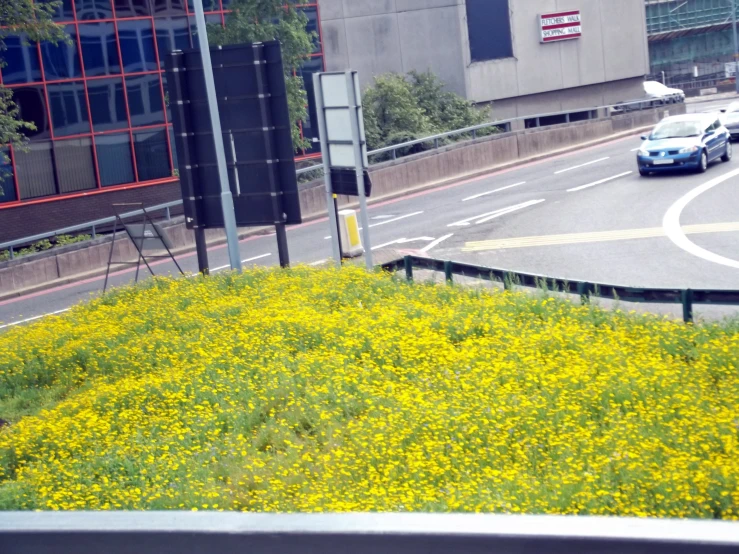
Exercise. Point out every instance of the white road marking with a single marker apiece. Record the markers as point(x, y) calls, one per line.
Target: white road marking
point(674, 231)
point(383, 217)
point(483, 218)
point(393, 220)
point(402, 241)
point(635, 149)
point(256, 258)
point(436, 243)
point(33, 318)
point(385, 222)
point(581, 165)
point(492, 191)
point(624, 174)
point(319, 262)
point(221, 268)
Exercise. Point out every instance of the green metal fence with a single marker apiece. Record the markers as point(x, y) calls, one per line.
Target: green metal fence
point(676, 15)
point(586, 290)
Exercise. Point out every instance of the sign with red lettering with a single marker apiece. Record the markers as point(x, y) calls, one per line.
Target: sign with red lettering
point(561, 26)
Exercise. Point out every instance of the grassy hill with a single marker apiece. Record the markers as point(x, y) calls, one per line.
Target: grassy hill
point(327, 390)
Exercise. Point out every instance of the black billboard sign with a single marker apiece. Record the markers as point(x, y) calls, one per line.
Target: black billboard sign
point(252, 103)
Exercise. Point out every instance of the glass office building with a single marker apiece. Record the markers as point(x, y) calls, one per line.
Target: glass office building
point(99, 102)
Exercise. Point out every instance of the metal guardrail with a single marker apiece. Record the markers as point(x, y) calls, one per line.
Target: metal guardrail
point(227, 533)
point(686, 297)
point(395, 151)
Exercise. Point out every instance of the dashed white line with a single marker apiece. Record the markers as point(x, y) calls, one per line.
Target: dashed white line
point(492, 191)
point(33, 318)
point(402, 241)
point(436, 243)
point(581, 165)
point(600, 182)
point(393, 220)
point(484, 218)
point(221, 268)
point(386, 221)
point(635, 149)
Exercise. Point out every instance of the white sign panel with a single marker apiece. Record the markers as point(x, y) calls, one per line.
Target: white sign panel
point(560, 26)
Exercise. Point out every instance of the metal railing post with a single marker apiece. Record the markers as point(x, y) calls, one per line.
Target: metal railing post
point(168, 214)
point(449, 272)
point(687, 300)
point(10, 251)
point(584, 290)
point(94, 234)
point(408, 264)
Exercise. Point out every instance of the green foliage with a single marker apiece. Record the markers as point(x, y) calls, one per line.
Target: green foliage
point(32, 20)
point(45, 244)
point(400, 108)
point(264, 20)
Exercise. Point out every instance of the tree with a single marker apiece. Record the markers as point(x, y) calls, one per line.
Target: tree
point(400, 108)
point(263, 20)
point(34, 22)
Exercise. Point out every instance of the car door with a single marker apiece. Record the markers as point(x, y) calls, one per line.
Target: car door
point(714, 140)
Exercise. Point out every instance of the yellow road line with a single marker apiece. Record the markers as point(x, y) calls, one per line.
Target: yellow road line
point(600, 236)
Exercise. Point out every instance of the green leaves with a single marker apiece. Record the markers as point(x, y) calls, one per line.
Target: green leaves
point(400, 108)
point(263, 20)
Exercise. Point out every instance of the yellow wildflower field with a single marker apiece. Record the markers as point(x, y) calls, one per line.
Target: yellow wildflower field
point(338, 390)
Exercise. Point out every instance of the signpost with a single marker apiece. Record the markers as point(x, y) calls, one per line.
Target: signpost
point(343, 147)
point(560, 26)
point(227, 203)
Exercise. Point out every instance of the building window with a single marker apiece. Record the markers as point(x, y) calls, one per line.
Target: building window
point(145, 100)
point(168, 7)
point(63, 10)
point(21, 61)
point(137, 46)
point(62, 60)
point(69, 114)
point(90, 10)
point(74, 164)
point(99, 49)
point(132, 8)
point(152, 156)
point(115, 162)
point(172, 34)
point(7, 185)
point(34, 170)
point(489, 27)
point(107, 105)
point(31, 103)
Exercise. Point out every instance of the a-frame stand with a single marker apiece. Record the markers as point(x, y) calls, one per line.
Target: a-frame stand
point(144, 234)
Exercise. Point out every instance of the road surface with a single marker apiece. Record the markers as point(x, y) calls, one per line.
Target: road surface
point(587, 215)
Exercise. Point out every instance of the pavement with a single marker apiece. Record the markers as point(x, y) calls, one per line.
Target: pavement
point(586, 215)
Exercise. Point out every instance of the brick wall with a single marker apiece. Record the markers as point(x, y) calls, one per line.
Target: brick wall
point(23, 221)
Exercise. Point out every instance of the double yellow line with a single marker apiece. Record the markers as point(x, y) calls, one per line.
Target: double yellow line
point(600, 236)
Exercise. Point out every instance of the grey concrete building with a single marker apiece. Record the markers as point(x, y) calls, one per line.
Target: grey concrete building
point(492, 50)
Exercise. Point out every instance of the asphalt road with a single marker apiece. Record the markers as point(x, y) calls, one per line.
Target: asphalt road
point(587, 215)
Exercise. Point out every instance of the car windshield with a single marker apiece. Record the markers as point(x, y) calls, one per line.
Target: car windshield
point(676, 129)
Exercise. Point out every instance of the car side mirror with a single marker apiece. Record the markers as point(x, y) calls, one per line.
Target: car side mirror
point(723, 110)
point(644, 137)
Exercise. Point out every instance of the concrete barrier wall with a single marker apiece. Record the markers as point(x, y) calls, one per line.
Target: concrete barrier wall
point(426, 169)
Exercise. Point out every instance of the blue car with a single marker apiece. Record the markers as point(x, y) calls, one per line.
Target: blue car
point(684, 142)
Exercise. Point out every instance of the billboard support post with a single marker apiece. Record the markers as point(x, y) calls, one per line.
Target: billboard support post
point(333, 217)
point(227, 202)
point(355, 106)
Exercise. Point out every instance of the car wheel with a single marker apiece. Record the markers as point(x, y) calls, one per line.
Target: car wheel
point(703, 164)
point(729, 152)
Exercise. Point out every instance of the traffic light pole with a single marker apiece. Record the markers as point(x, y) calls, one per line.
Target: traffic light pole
point(227, 201)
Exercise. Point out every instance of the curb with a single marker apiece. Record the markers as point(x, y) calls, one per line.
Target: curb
point(481, 173)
